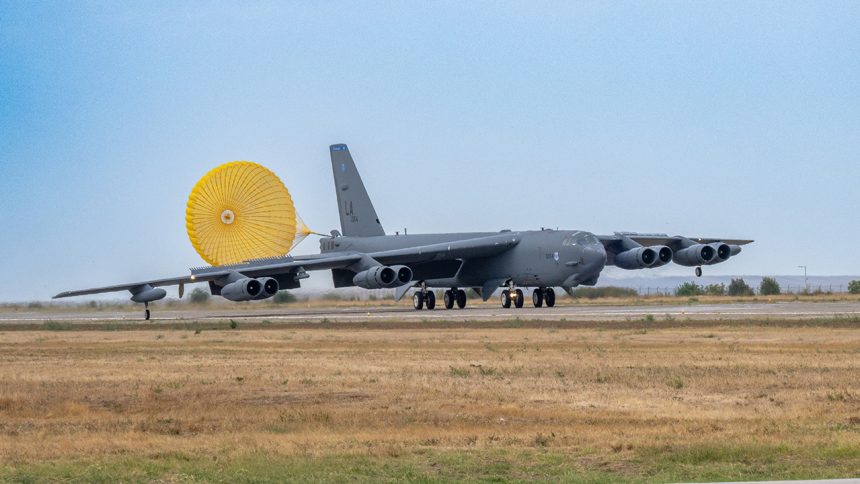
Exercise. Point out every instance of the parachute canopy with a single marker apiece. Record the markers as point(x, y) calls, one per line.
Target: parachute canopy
point(241, 211)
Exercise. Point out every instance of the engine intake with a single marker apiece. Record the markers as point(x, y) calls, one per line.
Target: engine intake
point(722, 252)
point(404, 275)
point(664, 255)
point(242, 290)
point(696, 255)
point(270, 288)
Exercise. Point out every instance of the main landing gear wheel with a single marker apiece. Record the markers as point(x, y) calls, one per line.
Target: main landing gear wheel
point(423, 298)
point(518, 298)
point(455, 296)
point(506, 299)
point(549, 297)
point(537, 298)
point(430, 300)
point(461, 299)
point(146, 311)
point(448, 298)
point(512, 296)
point(698, 272)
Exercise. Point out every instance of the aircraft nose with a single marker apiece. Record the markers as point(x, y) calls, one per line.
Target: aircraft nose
point(595, 257)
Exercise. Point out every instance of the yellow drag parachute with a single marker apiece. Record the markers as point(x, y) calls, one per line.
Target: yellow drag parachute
point(241, 211)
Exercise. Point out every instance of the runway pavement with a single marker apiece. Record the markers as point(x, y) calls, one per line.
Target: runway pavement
point(405, 313)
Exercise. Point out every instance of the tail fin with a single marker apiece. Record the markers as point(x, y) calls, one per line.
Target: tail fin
point(357, 216)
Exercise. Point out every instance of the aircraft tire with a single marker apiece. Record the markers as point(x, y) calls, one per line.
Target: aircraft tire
point(147, 314)
point(519, 300)
point(448, 298)
point(418, 301)
point(537, 298)
point(698, 272)
point(506, 299)
point(461, 299)
point(549, 297)
point(430, 300)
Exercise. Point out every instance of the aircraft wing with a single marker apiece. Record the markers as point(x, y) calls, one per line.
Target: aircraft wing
point(477, 247)
point(250, 269)
point(173, 281)
point(460, 249)
point(673, 242)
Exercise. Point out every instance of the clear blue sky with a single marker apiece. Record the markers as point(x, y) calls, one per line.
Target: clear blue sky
point(702, 118)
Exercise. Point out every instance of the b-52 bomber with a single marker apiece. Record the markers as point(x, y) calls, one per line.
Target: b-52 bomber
point(361, 254)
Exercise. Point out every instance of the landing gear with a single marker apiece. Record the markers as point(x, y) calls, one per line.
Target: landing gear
point(146, 311)
point(543, 295)
point(449, 298)
point(549, 297)
point(455, 296)
point(512, 296)
point(519, 299)
point(698, 272)
point(430, 300)
point(424, 298)
point(537, 298)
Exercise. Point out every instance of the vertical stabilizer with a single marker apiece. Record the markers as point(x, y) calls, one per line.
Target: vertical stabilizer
point(357, 215)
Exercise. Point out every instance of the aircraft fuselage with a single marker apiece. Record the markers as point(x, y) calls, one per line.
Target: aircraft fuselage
point(541, 258)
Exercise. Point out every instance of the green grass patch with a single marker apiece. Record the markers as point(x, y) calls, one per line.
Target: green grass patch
point(51, 325)
point(688, 463)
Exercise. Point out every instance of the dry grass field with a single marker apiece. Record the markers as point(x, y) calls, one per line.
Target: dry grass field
point(667, 401)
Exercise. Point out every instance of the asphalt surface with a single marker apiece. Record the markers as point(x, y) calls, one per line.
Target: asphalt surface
point(405, 313)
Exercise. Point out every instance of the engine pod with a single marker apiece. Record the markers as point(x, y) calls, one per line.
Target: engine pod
point(269, 287)
point(638, 258)
point(242, 290)
point(695, 255)
point(376, 278)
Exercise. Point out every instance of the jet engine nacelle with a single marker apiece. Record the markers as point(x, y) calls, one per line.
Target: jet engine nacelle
point(722, 252)
point(695, 255)
point(383, 276)
point(242, 290)
point(270, 287)
point(404, 275)
point(638, 258)
point(664, 255)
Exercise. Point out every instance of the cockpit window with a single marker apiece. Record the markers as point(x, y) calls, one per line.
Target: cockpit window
point(586, 239)
point(580, 238)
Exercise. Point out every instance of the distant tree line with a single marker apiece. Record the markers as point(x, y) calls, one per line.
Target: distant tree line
point(737, 287)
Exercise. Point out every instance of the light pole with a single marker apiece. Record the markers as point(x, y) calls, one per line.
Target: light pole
point(805, 280)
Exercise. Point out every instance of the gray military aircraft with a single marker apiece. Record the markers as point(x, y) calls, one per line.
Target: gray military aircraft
point(363, 255)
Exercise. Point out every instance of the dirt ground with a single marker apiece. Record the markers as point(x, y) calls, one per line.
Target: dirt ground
point(685, 402)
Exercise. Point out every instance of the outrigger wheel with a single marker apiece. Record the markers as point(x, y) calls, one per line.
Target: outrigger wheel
point(241, 211)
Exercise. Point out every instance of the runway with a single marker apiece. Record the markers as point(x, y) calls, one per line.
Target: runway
point(404, 313)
